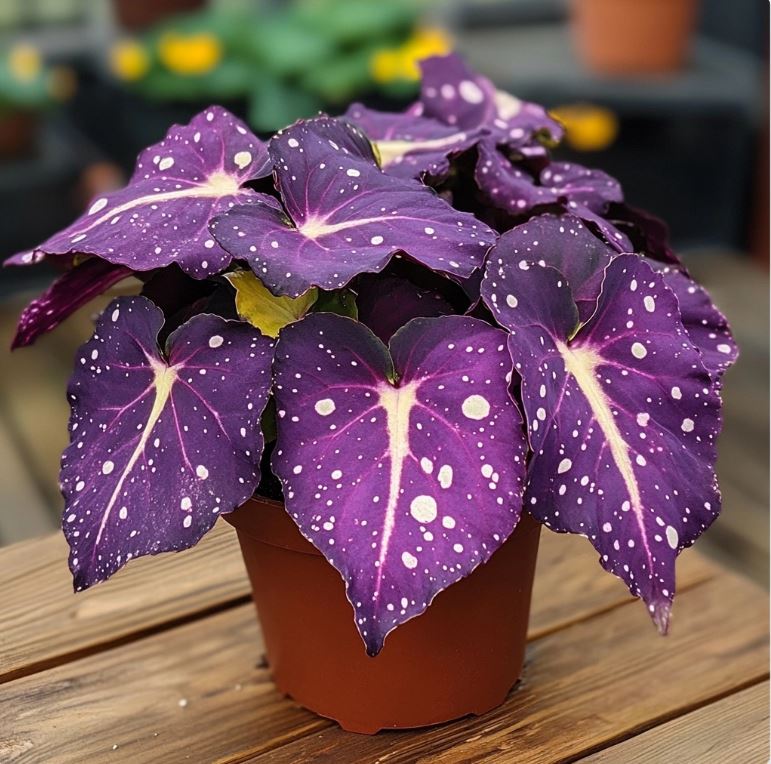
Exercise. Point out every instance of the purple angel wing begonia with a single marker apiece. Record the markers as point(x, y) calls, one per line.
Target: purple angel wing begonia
point(405, 469)
point(160, 444)
point(622, 418)
point(162, 215)
point(344, 216)
point(70, 291)
point(457, 96)
point(707, 327)
point(563, 243)
point(411, 146)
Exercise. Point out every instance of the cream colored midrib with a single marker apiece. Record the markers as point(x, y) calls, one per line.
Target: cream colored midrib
point(398, 403)
point(215, 188)
point(582, 364)
point(390, 151)
point(163, 382)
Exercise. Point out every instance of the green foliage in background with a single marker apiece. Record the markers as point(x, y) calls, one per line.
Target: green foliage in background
point(27, 84)
point(287, 60)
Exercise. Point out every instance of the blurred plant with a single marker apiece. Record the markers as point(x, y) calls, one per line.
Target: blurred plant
point(27, 84)
point(286, 61)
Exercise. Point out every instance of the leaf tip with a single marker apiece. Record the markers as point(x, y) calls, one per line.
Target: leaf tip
point(661, 611)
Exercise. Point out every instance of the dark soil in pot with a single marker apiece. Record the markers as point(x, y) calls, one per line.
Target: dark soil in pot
point(462, 656)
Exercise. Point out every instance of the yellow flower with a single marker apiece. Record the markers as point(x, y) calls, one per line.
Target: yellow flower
point(587, 127)
point(392, 64)
point(424, 43)
point(385, 66)
point(24, 62)
point(189, 54)
point(129, 60)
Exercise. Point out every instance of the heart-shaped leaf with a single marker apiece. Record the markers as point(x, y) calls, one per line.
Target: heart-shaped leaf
point(408, 145)
point(70, 291)
point(160, 443)
point(178, 186)
point(563, 243)
point(404, 469)
point(458, 96)
point(344, 216)
point(622, 418)
point(260, 308)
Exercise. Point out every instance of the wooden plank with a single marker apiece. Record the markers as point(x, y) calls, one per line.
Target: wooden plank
point(586, 686)
point(152, 592)
point(43, 623)
point(192, 692)
point(732, 729)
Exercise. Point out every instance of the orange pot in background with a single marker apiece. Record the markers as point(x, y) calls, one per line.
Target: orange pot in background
point(618, 37)
point(462, 656)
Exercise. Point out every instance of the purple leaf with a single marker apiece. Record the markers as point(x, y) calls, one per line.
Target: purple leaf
point(70, 291)
point(386, 303)
point(563, 243)
point(178, 186)
point(344, 217)
point(458, 96)
point(622, 418)
point(411, 146)
point(649, 235)
point(405, 470)
point(707, 327)
point(160, 444)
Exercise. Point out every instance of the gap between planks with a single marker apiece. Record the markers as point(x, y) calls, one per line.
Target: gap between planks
point(583, 685)
point(64, 627)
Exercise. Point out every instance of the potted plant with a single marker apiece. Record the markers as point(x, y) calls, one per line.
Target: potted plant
point(387, 347)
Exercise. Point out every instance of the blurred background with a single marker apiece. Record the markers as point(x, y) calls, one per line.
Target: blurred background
point(670, 96)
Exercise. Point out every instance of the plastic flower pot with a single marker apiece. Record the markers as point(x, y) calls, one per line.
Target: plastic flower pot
point(462, 656)
point(618, 37)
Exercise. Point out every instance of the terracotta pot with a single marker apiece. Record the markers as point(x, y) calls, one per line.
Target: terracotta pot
point(462, 656)
point(139, 14)
point(633, 36)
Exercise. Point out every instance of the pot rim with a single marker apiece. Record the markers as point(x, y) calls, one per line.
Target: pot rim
point(269, 529)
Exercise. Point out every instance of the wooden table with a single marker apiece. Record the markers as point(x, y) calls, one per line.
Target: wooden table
point(165, 664)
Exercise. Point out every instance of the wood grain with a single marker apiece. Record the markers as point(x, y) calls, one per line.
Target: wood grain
point(154, 592)
point(586, 686)
point(193, 692)
point(732, 729)
point(43, 623)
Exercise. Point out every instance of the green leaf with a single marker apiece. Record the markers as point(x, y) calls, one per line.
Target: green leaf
point(256, 305)
point(341, 301)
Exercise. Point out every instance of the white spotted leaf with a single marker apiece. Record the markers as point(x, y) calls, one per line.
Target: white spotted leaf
point(161, 444)
point(405, 468)
point(197, 171)
point(622, 417)
point(343, 216)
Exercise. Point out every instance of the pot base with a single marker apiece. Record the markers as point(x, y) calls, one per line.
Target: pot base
point(461, 657)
